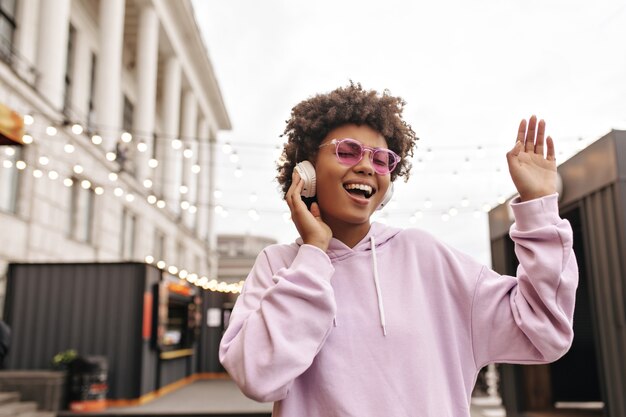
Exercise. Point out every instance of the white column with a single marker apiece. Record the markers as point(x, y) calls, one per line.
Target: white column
point(203, 181)
point(170, 158)
point(108, 103)
point(82, 77)
point(26, 34)
point(212, 235)
point(189, 130)
point(54, 24)
point(147, 57)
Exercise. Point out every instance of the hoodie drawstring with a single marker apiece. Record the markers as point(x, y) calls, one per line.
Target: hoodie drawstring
point(381, 307)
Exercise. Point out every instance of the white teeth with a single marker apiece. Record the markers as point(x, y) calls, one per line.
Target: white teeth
point(362, 187)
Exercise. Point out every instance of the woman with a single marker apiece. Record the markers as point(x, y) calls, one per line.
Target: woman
point(362, 319)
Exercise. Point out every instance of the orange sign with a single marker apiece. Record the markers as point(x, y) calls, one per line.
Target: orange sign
point(11, 126)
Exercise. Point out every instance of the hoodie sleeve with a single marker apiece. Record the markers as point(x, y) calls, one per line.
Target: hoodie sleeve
point(528, 318)
point(279, 323)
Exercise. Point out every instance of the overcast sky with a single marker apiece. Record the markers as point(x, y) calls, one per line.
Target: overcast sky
point(469, 71)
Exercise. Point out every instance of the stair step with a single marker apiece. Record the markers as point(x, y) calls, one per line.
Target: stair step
point(9, 397)
point(15, 409)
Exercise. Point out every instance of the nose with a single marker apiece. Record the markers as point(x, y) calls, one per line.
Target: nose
point(365, 164)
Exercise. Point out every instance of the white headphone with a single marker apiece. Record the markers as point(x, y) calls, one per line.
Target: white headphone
point(306, 170)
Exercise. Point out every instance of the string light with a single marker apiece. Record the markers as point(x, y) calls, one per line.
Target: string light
point(118, 192)
point(68, 182)
point(85, 184)
point(183, 189)
point(112, 176)
point(53, 175)
point(43, 160)
point(78, 169)
point(152, 199)
point(69, 148)
point(111, 156)
point(428, 154)
point(28, 120)
point(177, 144)
point(147, 183)
point(37, 173)
point(9, 151)
point(99, 190)
point(77, 129)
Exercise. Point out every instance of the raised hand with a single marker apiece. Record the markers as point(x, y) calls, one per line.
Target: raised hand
point(533, 174)
point(309, 224)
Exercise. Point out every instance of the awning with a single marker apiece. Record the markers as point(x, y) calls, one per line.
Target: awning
point(11, 126)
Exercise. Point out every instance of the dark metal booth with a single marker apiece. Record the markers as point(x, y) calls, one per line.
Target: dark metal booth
point(590, 380)
point(147, 323)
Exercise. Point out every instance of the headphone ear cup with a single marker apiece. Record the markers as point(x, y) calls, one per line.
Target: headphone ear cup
point(306, 170)
point(387, 198)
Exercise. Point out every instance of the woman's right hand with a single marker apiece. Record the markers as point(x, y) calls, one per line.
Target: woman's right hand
point(309, 224)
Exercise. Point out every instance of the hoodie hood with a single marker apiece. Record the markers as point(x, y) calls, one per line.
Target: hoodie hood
point(378, 235)
point(337, 250)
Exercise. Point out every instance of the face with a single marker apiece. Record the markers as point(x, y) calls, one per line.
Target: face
point(342, 204)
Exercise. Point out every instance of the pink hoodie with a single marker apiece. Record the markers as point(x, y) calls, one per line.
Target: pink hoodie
point(401, 324)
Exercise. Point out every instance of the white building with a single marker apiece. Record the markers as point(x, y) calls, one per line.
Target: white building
point(123, 108)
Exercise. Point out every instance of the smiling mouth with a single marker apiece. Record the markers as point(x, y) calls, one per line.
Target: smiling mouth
point(360, 190)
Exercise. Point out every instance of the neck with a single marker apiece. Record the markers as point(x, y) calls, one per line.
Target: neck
point(350, 234)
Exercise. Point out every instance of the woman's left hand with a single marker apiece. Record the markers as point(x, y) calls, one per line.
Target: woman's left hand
point(533, 174)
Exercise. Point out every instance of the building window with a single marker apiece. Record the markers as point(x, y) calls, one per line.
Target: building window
point(159, 245)
point(69, 69)
point(129, 225)
point(91, 117)
point(7, 29)
point(9, 175)
point(129, 110)
point(81, 212)
point(180, 253)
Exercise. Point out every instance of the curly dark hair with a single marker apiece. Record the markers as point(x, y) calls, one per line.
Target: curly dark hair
point(312, 119)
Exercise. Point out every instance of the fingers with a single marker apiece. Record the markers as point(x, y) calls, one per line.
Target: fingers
point(541, 128)
point(551, 155)
point(294, 191)
point(315, 210)
point(521, 132)
point(530, 134)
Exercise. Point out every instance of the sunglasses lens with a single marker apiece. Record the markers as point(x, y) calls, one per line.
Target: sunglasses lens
point(382, 160)
point(349, 152)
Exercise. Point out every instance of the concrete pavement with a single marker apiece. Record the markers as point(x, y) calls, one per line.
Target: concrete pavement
point(221, 397)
